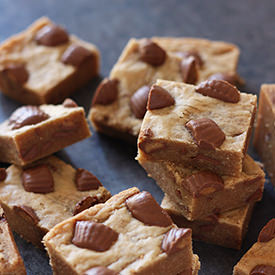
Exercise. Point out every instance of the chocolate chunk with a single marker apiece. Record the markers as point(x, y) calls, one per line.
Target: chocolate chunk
point(38, 179)
point(219, 89)
point(85, 203)
point(51, 36)
point(106, 93)
point(93, 235)
point(268, 232)
point(16, 73)
point(152, 53)
point(3, 174)
point(144, 208)
point(189, 70)
point(159, 98)
point(27, 115)
point(195, 55)
point(139, 101)
point(100, 270)
point(203, 183)
point(86, 181)
point(171, 242)
point(76, 55)
point(207, 134)
point(231, 78)
point(263, 270)
point(69, 103)
point(27, 213)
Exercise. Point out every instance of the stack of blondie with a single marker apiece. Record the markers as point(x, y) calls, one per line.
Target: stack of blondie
point(193, 142)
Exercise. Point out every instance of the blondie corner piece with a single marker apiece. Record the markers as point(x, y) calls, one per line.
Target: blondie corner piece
point(260, 258)
point(117, 110)
point(32, 132)
point(202, 193)
point(44, 64)
point(37, 198)
point(129, 234)
point(264, 136)
point(11, 262)
point(206, 126)
point(226, 229)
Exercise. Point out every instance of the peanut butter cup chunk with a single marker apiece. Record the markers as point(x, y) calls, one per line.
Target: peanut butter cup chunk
point(171, 242)
point(94, 236)
point(16, 73)
point(69, 103)
point(195, 55)
point(27, 115)
point(75, 55)
point(138, 101)
point(219, 89)
point(86, 181)
point(144, 208)
point(38, 179)
point(231, 78)
point(3, 174)
point(268, 232)
point(100, 270)
point(85, 203)
point(106, 93)
point(51, 36)
point(189, 70)
point(27, 213)
point(263, 270)
point(152, 53)
point(206, 133)
point(159, 98)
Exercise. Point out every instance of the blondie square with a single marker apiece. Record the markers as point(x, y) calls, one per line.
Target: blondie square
point(202, 193)
point(264, 136)
point(44, 64)
point(206, 126)
point(37, 198)
point(226, 229)
point(129, 234)
point(32, 132)
point(117, 109)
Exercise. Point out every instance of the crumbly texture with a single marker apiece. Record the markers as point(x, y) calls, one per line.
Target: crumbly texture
point(170, 140)
point(11, 262)
point(237, 191)
point(64, 127)
point(136, 251)
point(50, 208)
point(261, 253)
point(264, 137)
point(117, 118)
point(50, 81)
point(227, 229)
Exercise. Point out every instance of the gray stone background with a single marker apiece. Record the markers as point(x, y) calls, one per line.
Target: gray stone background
point(109, 24)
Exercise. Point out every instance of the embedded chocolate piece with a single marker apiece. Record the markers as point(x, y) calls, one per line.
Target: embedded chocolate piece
point(139, 101)
point(194, 54)
point(189, 70)
point(27, 115)
point(69, 103)
point(171, 241)
point(76, 55)
point(38, 179)
point(26, 213)
point(152, 53)
point(85, 203)
point(86, 181)
point(94, 236)
point(207, 134)
point(263, 270)
point(51, 36)
point(17, 73)
point(3, 174)
point(219, 89)
point(144, 208)
point(231, 78)
point(106, 93)
point(203, 183)
point(100, 270)
point(268, 232)
point(159, 98)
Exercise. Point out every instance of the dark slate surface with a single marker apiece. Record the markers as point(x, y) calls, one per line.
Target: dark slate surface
point(109, 24)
